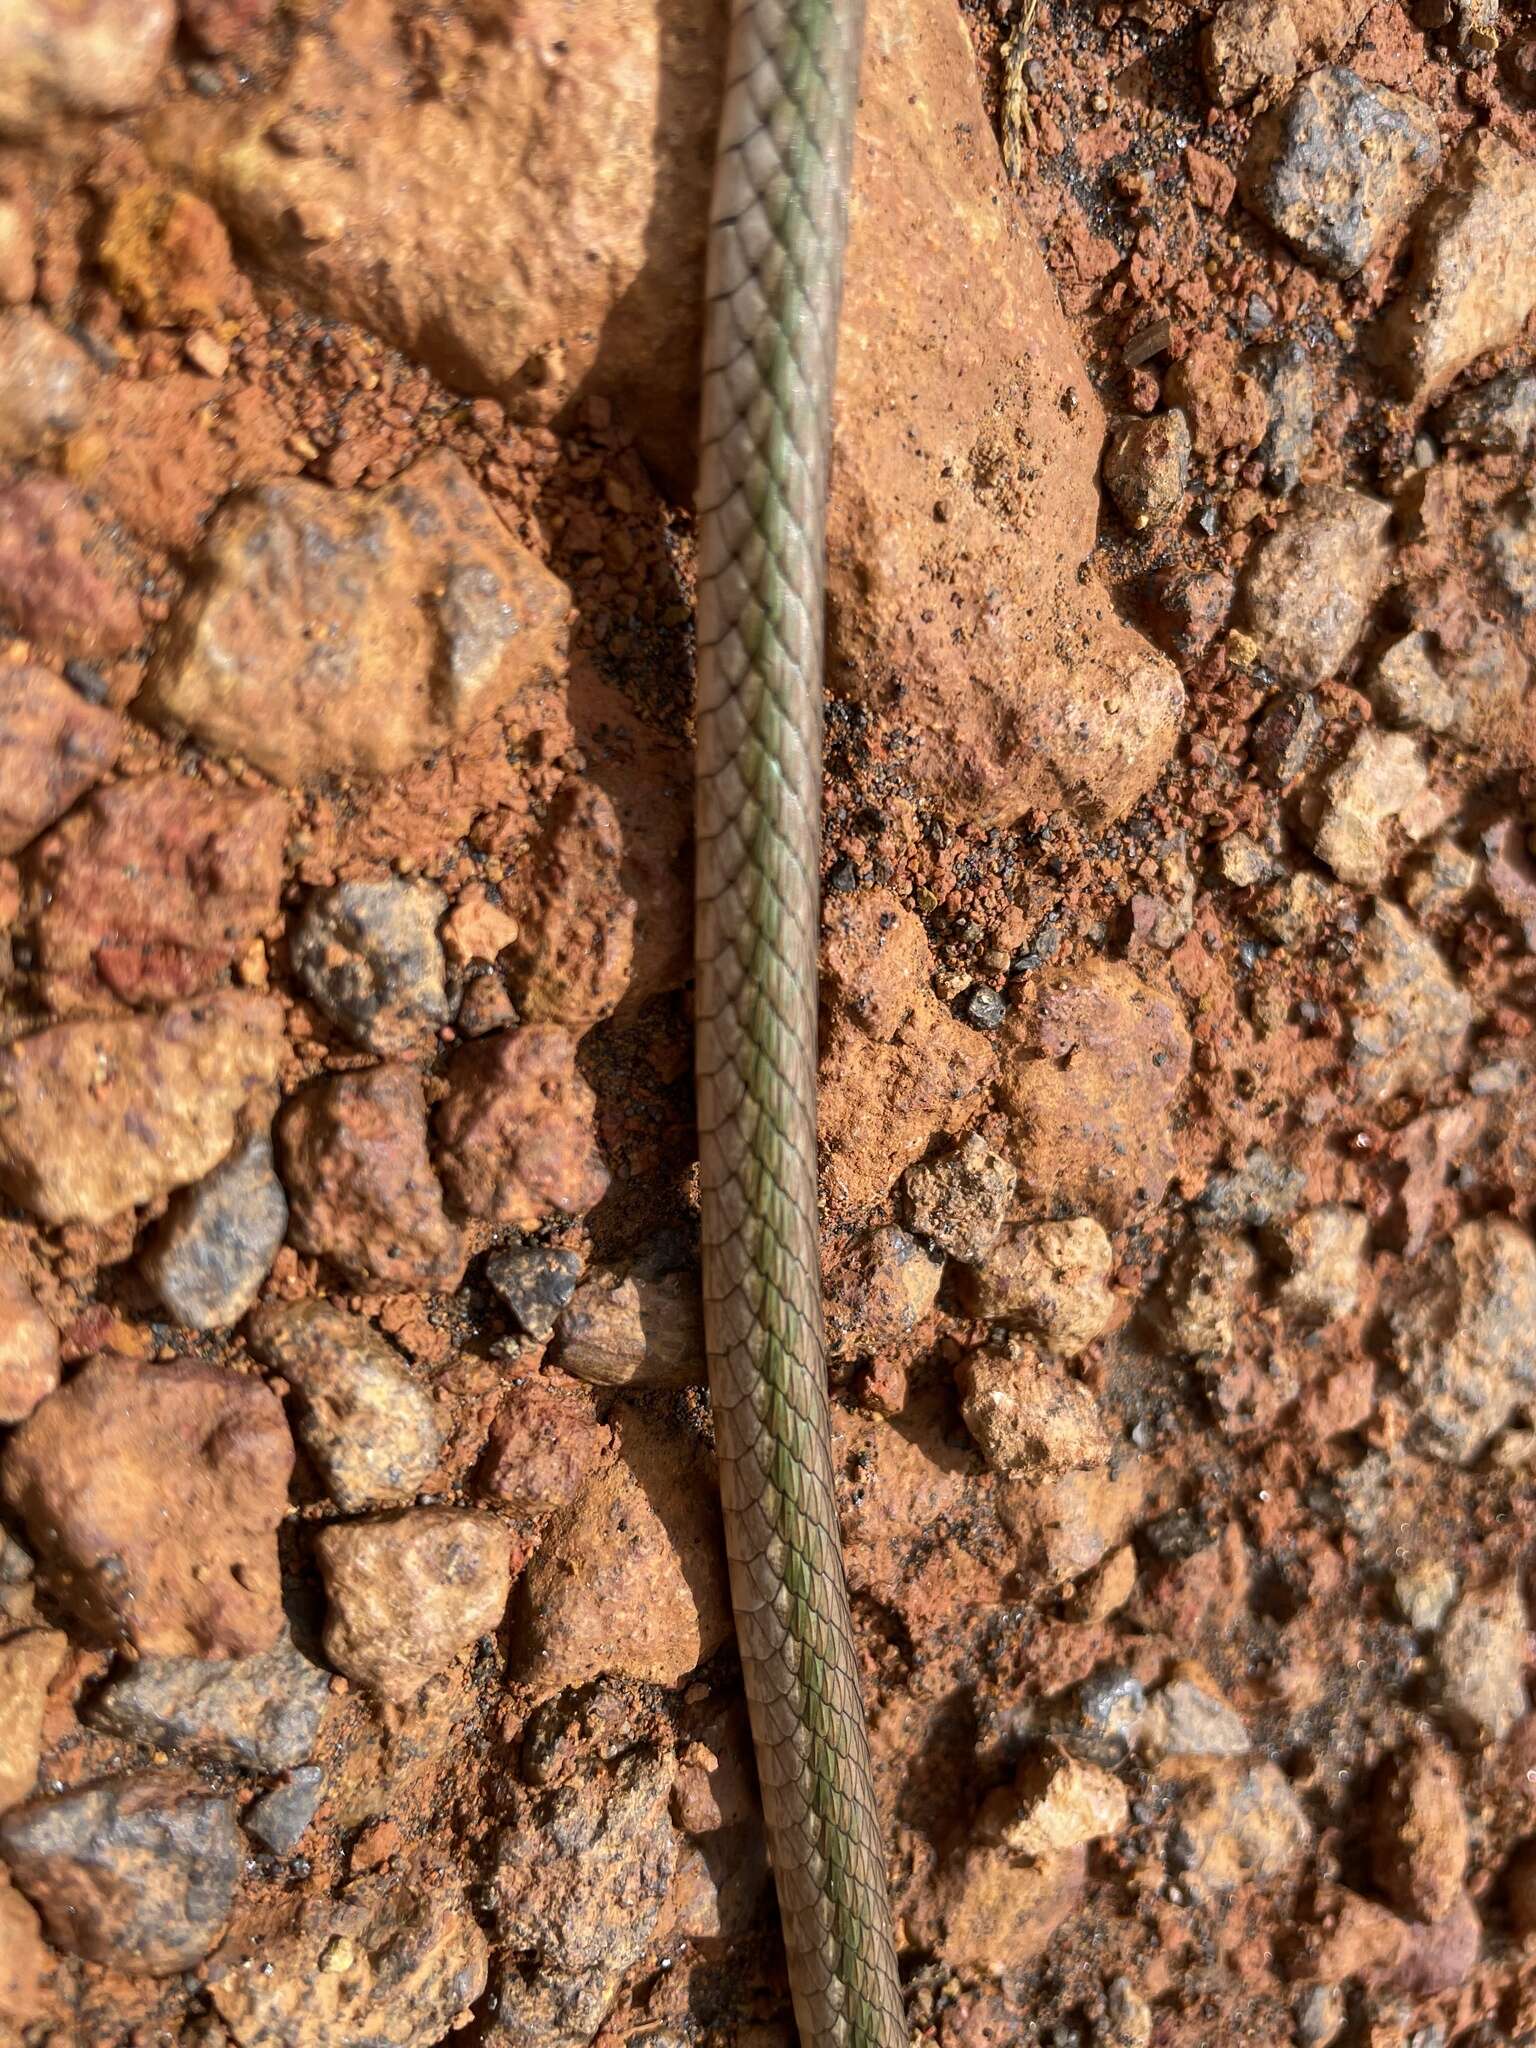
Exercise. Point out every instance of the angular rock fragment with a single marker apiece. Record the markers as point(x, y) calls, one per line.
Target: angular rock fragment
point(53, 746)
point(1496, 418)
point(62, 581)
point(960, 1200)
point(1473, 280)
point(883, 1101)
point(280, 1819)
point(369, 955)
point(30, 1660)
point(138, 1872)
point(1187, 1716)
point(91, 59)
point(370, 1429)
point(46, 381)
point(1337, 166)
point(535, 1282)
point(167, 256)
point(1381, 784)
point(1309, 588)
point(1421, 1848)
point(259, 1713)
point(570, 961)
point(630, 1578)
point(1483, 1651)
point(1461, 1325)
point(881, 1290)
point(1146, 468)
point(626, 1329)
point(1031, 1417)
point(1410, 1017)
point(24, 1957)
point(432, 619)
point(1057, 1803)
point(1090, 1064)
point(1283, 371)
point(514, 1133)
point(1209, 1281)
point(99, 1117)
point(583, 1872)
point(352, 1150)
point(390, 1964)
point(1237, 1823)
point(996, 1913)
point(1323, 1254)
point(407, 1592)
point(545, 1445)
point(1050, 1280)
point(1472, 691)
point(151, 1496)
point(876, 963)
point(29, 1348)
point(219, 1238)
point(1512, 554)
point(1248, 44)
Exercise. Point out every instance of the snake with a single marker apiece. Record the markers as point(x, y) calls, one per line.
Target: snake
point(777, 230)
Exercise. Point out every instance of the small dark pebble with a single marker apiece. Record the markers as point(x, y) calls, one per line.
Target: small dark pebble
point(279, 1818)
point(536, 1283)
point(984, 1008)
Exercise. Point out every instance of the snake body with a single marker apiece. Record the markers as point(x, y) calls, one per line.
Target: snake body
point(774, 280)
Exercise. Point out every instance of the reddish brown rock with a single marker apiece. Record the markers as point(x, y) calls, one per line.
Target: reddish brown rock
point(515, 1142)
point(1473, 280)
point(1018, 683)
point(53, 746)
point(570, 961)
point(152, 889)
point(29, 1663)
point(152, 1495)
point(1146, 467)
point(99, 1117)
point(1309, 588)
point(630, 1330)
point(1421, 1847)
point(1091, 1062)
point(24, 1957)
point(46, 381)
point(136, 1872)
point(167, 257)
point(432, 618)
point(407, 1592)
point(876, 965)
point(881, 1290)
point(29, 1348)
point(546, 1443)
point(630, 1578)
point(87, 58)
point(1224, 403)
point(61, 581)
point(352, 1151)
point(221, 26)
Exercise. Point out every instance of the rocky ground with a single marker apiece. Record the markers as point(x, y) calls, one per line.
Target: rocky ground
point(366, 1676)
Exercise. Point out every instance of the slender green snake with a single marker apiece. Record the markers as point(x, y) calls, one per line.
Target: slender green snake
point(774, 279)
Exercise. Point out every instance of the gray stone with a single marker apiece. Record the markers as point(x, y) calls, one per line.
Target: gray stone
point(536, 1282)
point(1283, 371)
point(280, 1819)
point(261, 1713)
point(1496, 418)
point(1261, 1191)
point(960, 1201)
point(1512, 553)
point(1309, 588)
point(1462, 1324)
point(1482, 1657)
point(1337, 165)
point(136, 1872)
point(209, 1257)
point(46, 381)
point(1188, 1718)
point(1472, 692)
point(369, 955)
point(1409, 1019)
point(1284, 738)
point(369, 1429)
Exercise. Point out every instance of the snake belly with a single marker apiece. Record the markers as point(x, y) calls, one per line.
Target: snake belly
point(774, 279)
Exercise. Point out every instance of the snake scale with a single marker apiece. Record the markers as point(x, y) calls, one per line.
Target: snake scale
point(774, 279)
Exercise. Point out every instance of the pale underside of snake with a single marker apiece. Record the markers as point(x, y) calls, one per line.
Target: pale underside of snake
point(774, 278)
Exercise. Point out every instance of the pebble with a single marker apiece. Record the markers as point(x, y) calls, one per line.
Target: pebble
point(1029, 1416)
point(1421, 1845)
point(583, 1872)
point(167, 257)
point(515, 1137)
point(136, 1872)
point(1321, 2012)
point(151, 1496)
point(62, 582)
point(367, 1426)
point(1460, 1323)
point(569, 962)
point(960, 1200)
point(1471, 693)
point(433, 619)
point(624, 1329)
point(352, 1150)
point(1481, 1650)
point(1409, 1020)
point(997, 1913)
point(1237, 1823)
point(1058, 1802)
point(545, 1445)
point(406, 1592)
point(30, 1660)
point(1261, 1191)
point(1309, 588)
point(280, 1819)
point(1337, 165)
point(152, 888)
point(1512, 554)
point(58, 57)
point(219, 1238)
point(1128, 2019)
point(1473, 279)
point(1283, 371)
point(46, 384)
point(55, 746)
point(630, 1577)
point(882, 1288)
point(1210, 1281)
point(1146, 468)
point(223, 26)
point(1050, 1280)
point(1248, 44)
point(1284, 738)
point(109, 1114)
point(1440, 878)
point(1510, 873)
point(381, 1963)
point(535, 1283)
point(1381, 783)
point(1496, 418)
point(258, 1713)
point(25, 1961)
point(369, 955)
point(1187, 1716)
point(29, 1348)
point(1322, 1253)
point(1425, 1591)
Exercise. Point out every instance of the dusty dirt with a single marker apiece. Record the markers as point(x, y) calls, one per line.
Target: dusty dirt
point(366, 1678)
